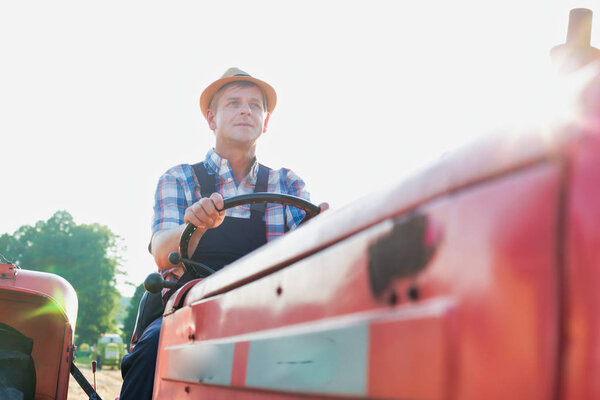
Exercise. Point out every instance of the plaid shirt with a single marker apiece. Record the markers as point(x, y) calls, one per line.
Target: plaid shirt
point(178, 189)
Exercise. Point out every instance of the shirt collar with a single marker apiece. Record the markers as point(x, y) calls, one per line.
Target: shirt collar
point(218, 165)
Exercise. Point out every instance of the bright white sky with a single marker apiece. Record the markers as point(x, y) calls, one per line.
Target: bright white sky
point(98, 99)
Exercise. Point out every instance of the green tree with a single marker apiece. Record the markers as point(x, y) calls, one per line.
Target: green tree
point(132, 309)
point(85, 255)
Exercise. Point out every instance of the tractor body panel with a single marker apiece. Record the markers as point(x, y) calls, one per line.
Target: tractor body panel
point(43, 307)
point(479, 319)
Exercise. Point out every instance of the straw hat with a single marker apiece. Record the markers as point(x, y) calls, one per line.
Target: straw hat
point(232, 75)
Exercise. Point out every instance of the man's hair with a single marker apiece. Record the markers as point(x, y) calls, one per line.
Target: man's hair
point(215, 99)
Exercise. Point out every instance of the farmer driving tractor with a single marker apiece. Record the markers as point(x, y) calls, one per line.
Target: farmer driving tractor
point(237, 108)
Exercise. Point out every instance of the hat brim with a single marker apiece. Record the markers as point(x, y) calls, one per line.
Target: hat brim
point(214, 87)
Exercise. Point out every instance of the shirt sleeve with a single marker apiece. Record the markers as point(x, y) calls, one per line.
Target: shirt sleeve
point(295, 186)
point(169, 203)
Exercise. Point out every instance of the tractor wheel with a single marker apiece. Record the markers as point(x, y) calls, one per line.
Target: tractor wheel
point(11, 394)
point(17, 371)
point(17, 375)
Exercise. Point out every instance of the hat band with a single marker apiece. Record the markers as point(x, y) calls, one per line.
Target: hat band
point(242, 75)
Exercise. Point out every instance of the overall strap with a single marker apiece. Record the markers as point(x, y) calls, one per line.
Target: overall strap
point(262, 182)
point(207, 181)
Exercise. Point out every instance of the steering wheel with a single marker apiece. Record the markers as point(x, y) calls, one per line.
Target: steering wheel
point(261, 197)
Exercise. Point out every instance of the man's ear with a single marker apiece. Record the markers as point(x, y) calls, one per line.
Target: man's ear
point(210, 118)
point(265, 123)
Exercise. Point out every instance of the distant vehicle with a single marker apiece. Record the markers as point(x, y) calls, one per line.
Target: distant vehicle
point(109, 350)
point(83, 350)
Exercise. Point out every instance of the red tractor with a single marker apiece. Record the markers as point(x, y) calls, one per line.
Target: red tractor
point(475, 279)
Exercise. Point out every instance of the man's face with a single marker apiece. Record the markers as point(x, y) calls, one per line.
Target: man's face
point(239, 119)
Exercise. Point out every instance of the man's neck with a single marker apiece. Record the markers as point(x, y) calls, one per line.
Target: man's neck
point(240, 160)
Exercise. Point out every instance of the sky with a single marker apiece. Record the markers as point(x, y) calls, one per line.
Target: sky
point(98, 99)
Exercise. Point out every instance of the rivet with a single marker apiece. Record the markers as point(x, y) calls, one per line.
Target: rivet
point(413, 293)
point(393, 298)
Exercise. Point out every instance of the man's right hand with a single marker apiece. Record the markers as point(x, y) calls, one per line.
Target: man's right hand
point(204, 213)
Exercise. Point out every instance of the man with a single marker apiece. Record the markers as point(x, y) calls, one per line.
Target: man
point(237, 108)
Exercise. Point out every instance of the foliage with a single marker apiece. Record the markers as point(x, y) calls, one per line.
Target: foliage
point(132, 309)
point(85, 255)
